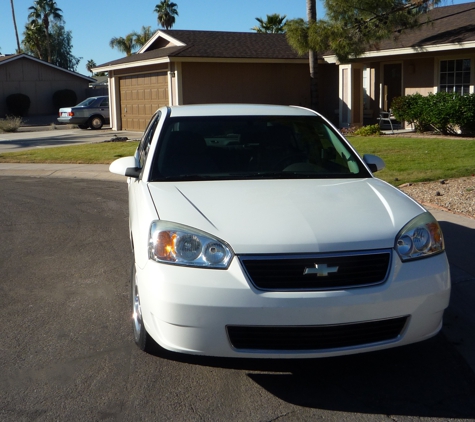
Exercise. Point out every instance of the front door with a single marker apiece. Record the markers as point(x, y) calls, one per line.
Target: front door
point(392, 84)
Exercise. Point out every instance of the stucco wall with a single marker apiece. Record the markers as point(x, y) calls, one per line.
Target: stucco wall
point(245, 83)
point(259, 83)
point(39, 82)
point(419, 76)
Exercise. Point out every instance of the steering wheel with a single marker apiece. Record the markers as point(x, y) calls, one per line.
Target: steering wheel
point(287, 161)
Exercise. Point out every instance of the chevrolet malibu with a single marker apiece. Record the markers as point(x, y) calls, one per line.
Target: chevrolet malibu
point(258, 231)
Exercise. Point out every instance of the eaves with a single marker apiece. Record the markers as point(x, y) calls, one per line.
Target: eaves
point(163, 60)
point(439, 48)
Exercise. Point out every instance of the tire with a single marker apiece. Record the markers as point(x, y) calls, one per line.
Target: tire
point(83, 126)
point(141, 337)
point(96, 122)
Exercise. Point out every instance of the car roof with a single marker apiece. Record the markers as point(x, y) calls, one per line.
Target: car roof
point(238, 110)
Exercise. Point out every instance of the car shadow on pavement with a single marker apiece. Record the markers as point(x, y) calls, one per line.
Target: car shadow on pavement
point(427, 379)
point(32, 143)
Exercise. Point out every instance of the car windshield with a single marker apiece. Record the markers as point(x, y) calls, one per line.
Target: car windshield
point(87, 102)
point(252, 147)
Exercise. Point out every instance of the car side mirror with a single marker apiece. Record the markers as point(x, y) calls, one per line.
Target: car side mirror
point(374, 162)
point(125, 166)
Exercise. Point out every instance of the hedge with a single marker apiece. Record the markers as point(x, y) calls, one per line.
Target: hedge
point(446, 112)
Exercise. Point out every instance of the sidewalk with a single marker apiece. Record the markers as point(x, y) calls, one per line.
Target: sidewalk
point(65, 171)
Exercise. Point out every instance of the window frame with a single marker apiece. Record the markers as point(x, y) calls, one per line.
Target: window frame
point(466, 88)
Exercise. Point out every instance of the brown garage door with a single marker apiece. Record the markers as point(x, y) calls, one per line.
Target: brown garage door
point(140, 96)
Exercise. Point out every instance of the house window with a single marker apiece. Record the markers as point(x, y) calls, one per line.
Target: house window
point(455, 76)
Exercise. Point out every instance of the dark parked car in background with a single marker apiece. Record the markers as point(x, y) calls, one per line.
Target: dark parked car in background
point(93, 112)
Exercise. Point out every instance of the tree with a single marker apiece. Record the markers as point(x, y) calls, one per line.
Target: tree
point(352, 26)
point(141, 38)
point(298, 37)
point(60, 47)
point(273, 24)
point(18, 50)
point(33, 40)
point(90, 65)
point(166, 11)
point(125, 45)
point(43, 12)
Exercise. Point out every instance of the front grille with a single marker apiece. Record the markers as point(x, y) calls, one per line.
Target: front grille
point(319, 337)
point(284, 273)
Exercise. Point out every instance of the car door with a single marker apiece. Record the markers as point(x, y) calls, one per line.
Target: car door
point(104, 108)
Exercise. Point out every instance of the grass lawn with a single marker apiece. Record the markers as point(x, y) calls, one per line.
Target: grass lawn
point(419, 159)
point(100, 153)
point(407, 159)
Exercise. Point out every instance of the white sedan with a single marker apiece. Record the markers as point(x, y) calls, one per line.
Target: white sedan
point(258, 231)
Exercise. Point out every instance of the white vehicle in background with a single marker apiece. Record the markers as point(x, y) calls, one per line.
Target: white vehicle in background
point(258, 231)
point(92, 113)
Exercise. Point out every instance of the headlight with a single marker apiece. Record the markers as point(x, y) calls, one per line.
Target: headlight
point(421, 237)
point(174, 243)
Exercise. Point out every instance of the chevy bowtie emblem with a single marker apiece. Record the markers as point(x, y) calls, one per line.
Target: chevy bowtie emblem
point(321, 270)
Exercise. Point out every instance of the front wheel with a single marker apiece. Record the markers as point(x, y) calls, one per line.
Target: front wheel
point(96, 122)
point(141, 337)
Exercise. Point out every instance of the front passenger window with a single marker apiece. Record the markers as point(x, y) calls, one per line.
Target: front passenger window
point(147, 139)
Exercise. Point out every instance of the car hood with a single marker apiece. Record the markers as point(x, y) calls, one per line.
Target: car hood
point(289, 216)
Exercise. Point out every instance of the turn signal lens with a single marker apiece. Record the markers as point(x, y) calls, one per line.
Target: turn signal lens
point(174, 243)
point(420, 238)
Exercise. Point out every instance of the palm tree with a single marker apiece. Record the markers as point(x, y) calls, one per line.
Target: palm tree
point(166, 11)
point(18, 50)
point(89, 65)
point(43, 12)
point(125, 45)
point(313, 58)
point(34, 39)
point(140, 39)
point(273, 24)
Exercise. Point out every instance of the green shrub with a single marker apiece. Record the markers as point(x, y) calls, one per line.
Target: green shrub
point(441, 111)
point(18, 104)
point(412, 109)
point(466, 114)
point(371, 130)
point(65, 98)
point(10, 124)
point(447, 112)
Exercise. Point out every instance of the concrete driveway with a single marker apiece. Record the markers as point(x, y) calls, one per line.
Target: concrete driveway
point(42, 136)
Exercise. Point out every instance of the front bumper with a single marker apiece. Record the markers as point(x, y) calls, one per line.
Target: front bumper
point(187, 310)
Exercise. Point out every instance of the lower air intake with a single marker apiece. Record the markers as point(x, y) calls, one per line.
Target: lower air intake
point(317, 337)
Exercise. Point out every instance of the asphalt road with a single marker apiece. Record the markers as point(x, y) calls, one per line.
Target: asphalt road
point(67, 354)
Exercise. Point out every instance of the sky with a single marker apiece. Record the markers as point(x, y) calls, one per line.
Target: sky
point(94, 23)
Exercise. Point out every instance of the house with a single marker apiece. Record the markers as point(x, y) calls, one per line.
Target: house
point(188, 67)
point(21, 73)
point(437, 56)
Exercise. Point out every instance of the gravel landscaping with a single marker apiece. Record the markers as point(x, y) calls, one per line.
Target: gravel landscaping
point(454, 195)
